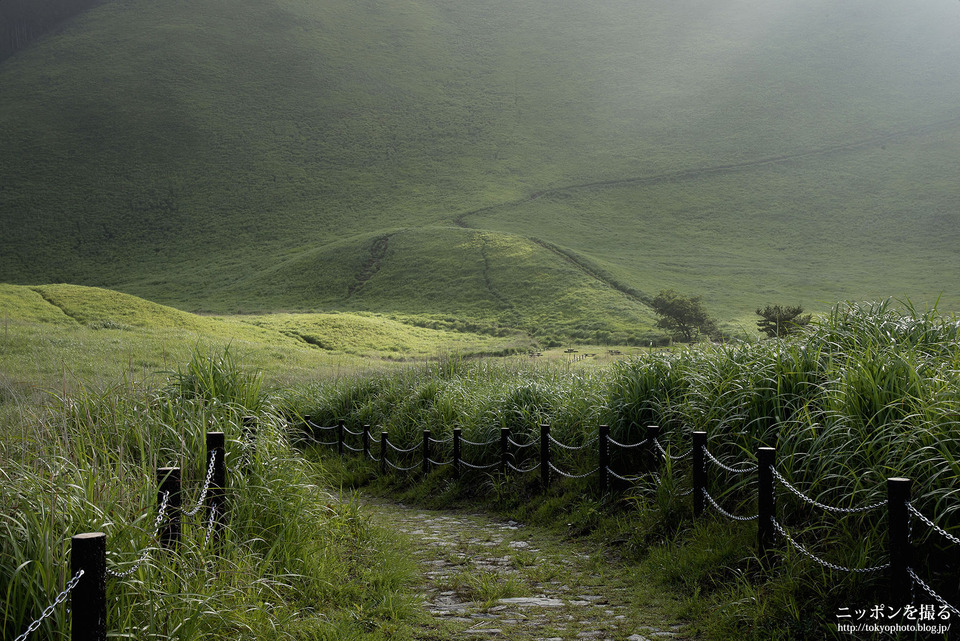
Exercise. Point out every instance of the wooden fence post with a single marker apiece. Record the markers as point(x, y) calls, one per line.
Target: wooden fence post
point(340, 427)
point(898, 539)
point(699, 471)
point(603, 456)
point(456, 453)
point(504, 448)
point(653, 456)
point(168, 481)
point(545, 456)
point(766, 502)
point(365, 438)
point(88, 552)
point(426, 452)
point(250, 424)
point(217, 493)
point(383, 453)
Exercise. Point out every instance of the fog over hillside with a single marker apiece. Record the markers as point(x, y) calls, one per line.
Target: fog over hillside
point(748, 151)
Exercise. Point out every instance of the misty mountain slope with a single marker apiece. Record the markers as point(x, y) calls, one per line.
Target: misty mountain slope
point(191, 152)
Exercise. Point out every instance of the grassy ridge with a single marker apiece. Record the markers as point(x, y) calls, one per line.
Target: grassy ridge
point(200, 153)
point(62, 336)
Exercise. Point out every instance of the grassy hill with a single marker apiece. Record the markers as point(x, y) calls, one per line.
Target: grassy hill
point(539, 165)
point(59, 336)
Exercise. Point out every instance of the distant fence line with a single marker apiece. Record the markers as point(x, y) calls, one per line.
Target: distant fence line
point(88, 552)
point(901, 574)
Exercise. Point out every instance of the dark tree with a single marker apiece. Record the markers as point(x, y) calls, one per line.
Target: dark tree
point(684, 317)
point(777, 321)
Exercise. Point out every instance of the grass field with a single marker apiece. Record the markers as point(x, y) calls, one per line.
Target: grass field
point(294, 156)
point(103, 381)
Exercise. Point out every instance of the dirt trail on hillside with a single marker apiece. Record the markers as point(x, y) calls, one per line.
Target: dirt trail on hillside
point(501, 579)
point(714, 170)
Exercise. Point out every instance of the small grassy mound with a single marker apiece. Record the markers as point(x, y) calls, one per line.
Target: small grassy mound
point(489, 277)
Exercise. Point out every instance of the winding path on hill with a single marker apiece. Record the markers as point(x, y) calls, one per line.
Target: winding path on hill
point(689, 174)
point(488, 578)
point(716, 170)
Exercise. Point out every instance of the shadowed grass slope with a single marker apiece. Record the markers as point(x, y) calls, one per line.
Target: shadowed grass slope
point(182, 151)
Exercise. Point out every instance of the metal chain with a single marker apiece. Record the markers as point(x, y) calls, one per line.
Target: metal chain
point(722, 511)
point(913, 584)
point(321, 427)
point(206, 486)
point(351, 432)
point(479, 467)
point(517, 469)
point(210, 521)
point(52, 607)
point(572, 447)
point(624, 445)
point(746, 470)
point(439, 464)
point(930, 591)
point(572, 476)
point(406, 451)
point(623, 478)
point(373, 458)
point(475, 444)
point(353, 449)
point(933, 525)
point(832, 566)
point(515, 444)
point(143, 556)
point(838, 510)
point(440, 441)
point(672, 458)
point(404, 469)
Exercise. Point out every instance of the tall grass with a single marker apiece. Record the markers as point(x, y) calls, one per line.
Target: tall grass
point(293, 562)
point(869, 392)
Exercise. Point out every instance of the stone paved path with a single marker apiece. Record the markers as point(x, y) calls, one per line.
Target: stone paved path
point(500, 579)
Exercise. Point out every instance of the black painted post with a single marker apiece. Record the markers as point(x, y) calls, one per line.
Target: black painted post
point(365, 438)
point(168, 481)
point(766, 502)
point(88, 552)
point(217, 494)
point(653, 456)
point(456, 453)
point(699, 471)
point(603, 456)
point(383, 453)
point(250, 437)
point(340, 437)
point(426, 452)
point(901, 583)
point(504, 448)
point(545, 456)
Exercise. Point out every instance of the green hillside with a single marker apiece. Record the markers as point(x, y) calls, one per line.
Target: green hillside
point(541, 165)
point(56, 336)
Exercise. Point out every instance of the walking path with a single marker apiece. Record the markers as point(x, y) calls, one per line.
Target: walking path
point(486, 578)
